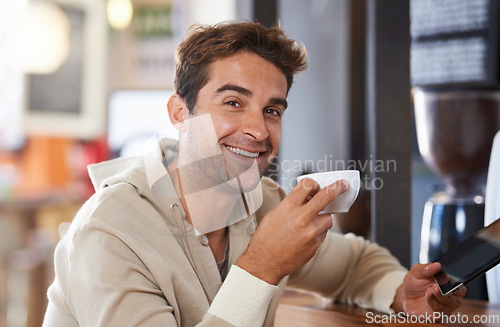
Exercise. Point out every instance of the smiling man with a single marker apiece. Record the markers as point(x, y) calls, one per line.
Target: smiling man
point(195, 236)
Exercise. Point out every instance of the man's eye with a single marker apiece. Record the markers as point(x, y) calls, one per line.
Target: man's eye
point(233, 103)
point(273, 112)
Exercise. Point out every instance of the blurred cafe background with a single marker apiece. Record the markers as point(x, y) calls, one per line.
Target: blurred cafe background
point(404, 91)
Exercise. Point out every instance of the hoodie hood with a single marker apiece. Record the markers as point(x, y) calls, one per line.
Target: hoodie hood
point(142, 172)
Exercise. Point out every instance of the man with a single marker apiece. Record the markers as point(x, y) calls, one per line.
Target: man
point(193, 236)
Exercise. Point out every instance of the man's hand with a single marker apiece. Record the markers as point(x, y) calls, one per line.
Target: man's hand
point(419, 294)
point(290, 234)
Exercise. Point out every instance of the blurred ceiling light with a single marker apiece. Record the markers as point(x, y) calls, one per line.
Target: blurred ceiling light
point(119, 13)
point(44, 38)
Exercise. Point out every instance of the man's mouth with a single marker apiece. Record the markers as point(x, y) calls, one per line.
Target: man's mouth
point(243, 152)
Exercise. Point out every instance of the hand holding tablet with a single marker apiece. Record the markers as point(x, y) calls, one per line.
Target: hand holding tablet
point(469, 259)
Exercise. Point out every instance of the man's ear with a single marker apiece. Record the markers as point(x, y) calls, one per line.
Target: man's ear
point(178, 111)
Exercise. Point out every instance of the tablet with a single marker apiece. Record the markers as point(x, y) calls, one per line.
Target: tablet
point(470, 259)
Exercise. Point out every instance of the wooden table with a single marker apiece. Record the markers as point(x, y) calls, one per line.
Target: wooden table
point(304, 309)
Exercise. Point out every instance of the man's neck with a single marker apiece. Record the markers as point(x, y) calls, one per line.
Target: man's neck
point(213, 202)
point(218, 240)
point(213, 206)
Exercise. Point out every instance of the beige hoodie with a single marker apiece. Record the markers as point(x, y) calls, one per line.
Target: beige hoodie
point(131, 259)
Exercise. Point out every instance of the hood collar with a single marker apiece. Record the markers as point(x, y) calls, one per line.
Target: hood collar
point(133, 170)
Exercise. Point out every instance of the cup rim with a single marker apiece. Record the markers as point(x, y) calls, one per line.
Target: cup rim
point(347, 172)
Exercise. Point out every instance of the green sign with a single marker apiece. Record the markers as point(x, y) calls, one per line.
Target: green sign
point(154, 21)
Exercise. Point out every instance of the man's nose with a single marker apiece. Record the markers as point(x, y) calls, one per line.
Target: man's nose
point(255, 126)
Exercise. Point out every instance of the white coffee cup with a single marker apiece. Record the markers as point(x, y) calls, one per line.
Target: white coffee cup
point(344, 201)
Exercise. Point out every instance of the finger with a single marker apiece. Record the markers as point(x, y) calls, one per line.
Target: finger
point(425, 270)
point(325, 222)
point(327, 195)
point(441, 301)
point(429, 296)
point(322, 237)
point(304, 189)
point(462, 290)
point(437, 293)
point(432, 301)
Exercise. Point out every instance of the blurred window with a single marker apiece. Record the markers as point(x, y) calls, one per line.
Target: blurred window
point(136, 117)
point(11, 77)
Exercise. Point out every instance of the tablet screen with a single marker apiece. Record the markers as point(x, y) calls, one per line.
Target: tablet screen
point(469, 259)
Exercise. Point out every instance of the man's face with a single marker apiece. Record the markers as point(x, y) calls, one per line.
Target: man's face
point(246, 98)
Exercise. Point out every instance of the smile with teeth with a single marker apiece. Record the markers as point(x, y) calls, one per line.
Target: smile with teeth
point(243, 152)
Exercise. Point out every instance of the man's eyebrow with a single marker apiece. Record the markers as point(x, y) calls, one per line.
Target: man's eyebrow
point(279, 101)
point(232, 87)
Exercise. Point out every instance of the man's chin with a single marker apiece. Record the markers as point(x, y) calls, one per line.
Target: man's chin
point(242, 184)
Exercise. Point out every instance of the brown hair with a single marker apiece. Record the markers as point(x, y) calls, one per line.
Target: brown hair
point(205, 44)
